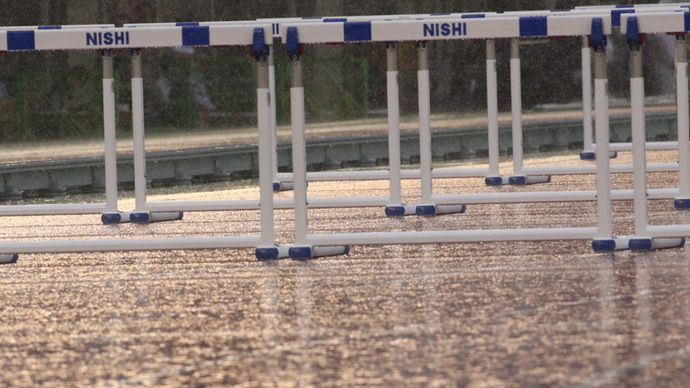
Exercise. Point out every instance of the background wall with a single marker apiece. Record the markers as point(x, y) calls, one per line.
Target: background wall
point(54, 95)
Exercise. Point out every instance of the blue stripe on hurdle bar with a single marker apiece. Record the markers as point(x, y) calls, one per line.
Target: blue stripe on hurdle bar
point(187, 24)
point(196, 36)
point(334, 20)
point(21, 40)
point(357, 31)
point(686, 17)
point(473, 16)
point(616, 16)
point(533, 26)
point(49, 27)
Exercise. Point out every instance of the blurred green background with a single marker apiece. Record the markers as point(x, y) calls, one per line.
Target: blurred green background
point(57, 95)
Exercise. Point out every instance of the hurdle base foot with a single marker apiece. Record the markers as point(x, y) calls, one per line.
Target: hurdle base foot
point(650, 244)
point(682, 203)
point(591, 155)
point(401, 210)
point(601, 245)
point(147, 217)
point(436, 210)
point(307, 252)
point(271, 253)
point(283, 186)
point(115, 218)
point(497, 180)
point(8, 259)
point(521, 180)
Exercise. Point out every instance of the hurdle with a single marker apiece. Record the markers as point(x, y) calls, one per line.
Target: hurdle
point(635, 26)
point(507, 27)
point(617, 11)
point(19, 38)
point(256, 36)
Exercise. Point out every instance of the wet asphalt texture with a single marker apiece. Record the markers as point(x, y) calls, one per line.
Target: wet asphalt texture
point(472, 315)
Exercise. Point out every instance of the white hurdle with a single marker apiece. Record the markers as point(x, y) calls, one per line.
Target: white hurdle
point(258, 36)
point(298, 34)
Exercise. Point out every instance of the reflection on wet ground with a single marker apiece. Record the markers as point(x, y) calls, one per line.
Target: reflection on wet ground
point(477, 315)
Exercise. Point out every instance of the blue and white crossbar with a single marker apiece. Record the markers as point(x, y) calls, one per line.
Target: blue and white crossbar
point(659, 22)
point(447, 29)
point(119, 37)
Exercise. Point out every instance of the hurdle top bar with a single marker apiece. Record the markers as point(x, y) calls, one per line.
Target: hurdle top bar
point(130, 38)
point(447, 29)
point(659, 22)
point(56, 27)
point(277, 23)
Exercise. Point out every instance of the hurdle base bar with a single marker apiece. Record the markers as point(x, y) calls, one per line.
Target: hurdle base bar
point(682, 203)
point(307, 252)
point(497, 180)
point(115, 218)
point(650, 244)
point(147, 217)
point(521, 180)
point(591, 155)
point(272, 253)
point(602, 245)
point(8, 259)
point(436, 210)
point(401, 210)
point(282, 186)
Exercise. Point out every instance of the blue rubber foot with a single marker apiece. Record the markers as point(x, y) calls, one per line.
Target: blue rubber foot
point(111, 218)
point(426, 210)
point(641, 244)
point(588, 155)
point(9, 259)
point(271, 253)
point(591, 155)
point(682, 203)
point(139, 217)
point(300, 253)
point(493, 181)
point(395, 211)
point(276, 186)
point(517, 180)
point(604, 245)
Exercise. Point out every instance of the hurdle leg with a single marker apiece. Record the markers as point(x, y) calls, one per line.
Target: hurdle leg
point(395, 206)
point(518, 177)
point(588, 146)
point(302, 249)
point(641, 240)
point(683, 121)
point(111, 215)
point(603, 242)
point(140, 214)
point(278, 185)
point(426, 207)
point(494, 178)
point(267, 249)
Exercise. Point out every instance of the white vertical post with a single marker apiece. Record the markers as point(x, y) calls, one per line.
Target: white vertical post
point(299, 153)
point(605, 228)
point(424, 95)
point(138, 133)
point(274, 124)
point(638, 141)
point(266, 153)
point(516, 105)
point(394, 154)
point(587, 141)
point(109, 133)
point(492, 107)
point(683, 117)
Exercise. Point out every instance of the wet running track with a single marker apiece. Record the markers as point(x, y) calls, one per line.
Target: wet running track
point(475, 315)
